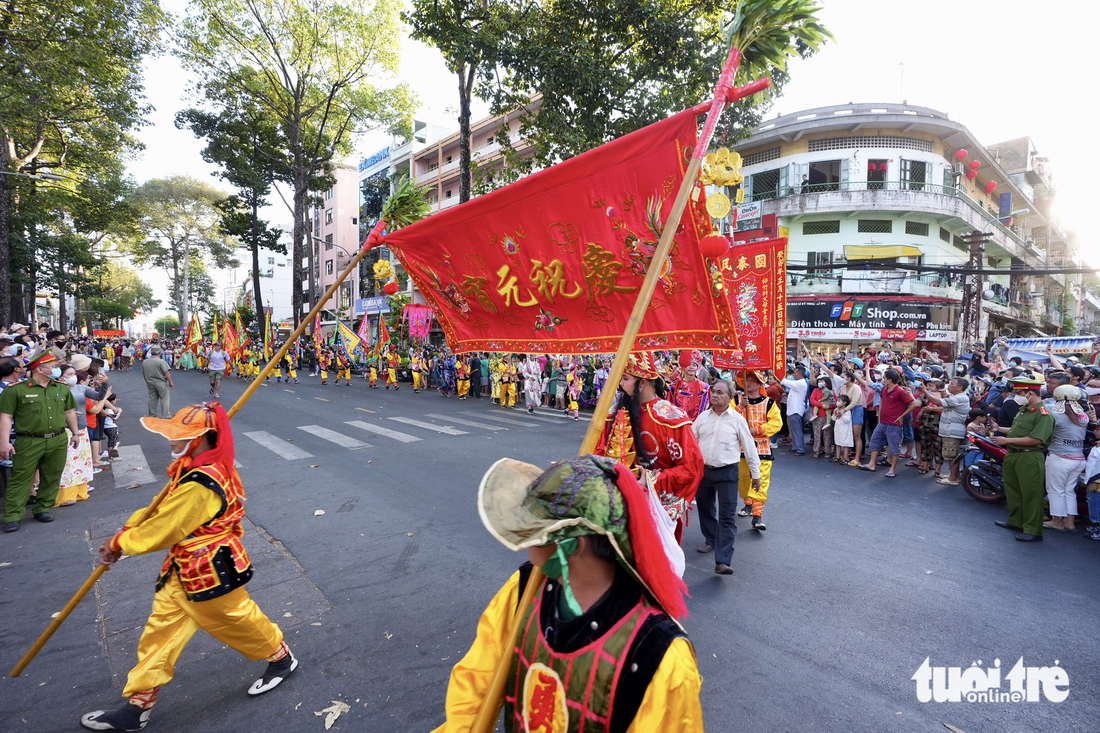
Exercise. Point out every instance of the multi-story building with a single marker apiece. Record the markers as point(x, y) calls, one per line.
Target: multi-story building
point(883, 184)
point(275, 281)
point(334, 225)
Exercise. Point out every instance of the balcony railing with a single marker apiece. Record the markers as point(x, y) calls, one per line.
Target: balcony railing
point(908, 186)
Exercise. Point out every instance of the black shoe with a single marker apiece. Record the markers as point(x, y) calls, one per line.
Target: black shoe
point(705, 548)
point(722, 569)
point(275, 673)
point(43, 517)
point(1029, 538)
point(746, 511)
point(11, 527)
point(1006, 525)
point(130, 717)
point(758, 524)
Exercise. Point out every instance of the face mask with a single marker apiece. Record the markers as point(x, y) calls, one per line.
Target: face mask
point(181, 454)
point(1020, 399)
point(56, 373)
point(821, 385)
point(71, 381)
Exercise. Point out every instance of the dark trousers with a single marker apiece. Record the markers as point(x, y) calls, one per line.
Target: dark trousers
point(798, 437)
point(720, 531)
point(475, 384)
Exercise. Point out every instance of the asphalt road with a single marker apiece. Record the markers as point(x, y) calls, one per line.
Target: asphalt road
point(857, 581)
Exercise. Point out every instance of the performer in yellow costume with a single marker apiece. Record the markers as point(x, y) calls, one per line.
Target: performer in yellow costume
point(373, 364)
point(495, 367)
point(765, 420)
point(416, 366)
point(462, 377)
point(393, 362)
point(345, 369)
point(201, 584)
point(508, 377)
point(599, 649)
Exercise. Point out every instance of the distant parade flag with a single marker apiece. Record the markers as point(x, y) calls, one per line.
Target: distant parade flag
point(242, 332)
point(383, 335)
point(553, 263)
point(229, 338)
point(269, 334)
point(194, 333)
point(317, 334)
point(349, 340)
point(214, 331)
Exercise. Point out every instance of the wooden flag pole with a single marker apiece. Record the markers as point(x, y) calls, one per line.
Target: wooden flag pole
point(724, 93)
point(372, 240)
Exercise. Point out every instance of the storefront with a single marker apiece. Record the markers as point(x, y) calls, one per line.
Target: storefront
point(830, 323)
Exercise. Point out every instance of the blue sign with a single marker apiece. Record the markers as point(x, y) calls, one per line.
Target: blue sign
point(377, 304)
point(376, 158)
point(1006, 204)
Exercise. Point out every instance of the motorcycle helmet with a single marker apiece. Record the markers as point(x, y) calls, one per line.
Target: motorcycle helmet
point(936, 371)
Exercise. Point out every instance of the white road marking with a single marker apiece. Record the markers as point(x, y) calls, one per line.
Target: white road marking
point(131, 467)
point(371, 428)
point(430, 426)
point(509, 420)
point(332, 436)
point(463, 421)
point(545, 417)
point(278, 446)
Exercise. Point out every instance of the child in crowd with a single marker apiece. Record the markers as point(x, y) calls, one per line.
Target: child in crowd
point(842, 428)
point(977, 422)
point(111, 413)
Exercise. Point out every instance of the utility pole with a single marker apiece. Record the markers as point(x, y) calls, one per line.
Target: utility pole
point(970, 334)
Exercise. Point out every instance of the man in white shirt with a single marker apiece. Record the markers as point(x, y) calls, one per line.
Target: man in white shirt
point(797, 390)
point(723, 435)
point(217, 359)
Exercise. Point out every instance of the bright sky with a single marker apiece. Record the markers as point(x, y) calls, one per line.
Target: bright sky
point(1003, 69)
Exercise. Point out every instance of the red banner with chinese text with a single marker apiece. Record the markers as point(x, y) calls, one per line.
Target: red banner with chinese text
point(754, 278)
point(553, 263)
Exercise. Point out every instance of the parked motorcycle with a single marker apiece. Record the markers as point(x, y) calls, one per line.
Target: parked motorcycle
point(982, 470)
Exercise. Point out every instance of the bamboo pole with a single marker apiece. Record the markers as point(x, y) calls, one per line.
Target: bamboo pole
point(724, 92)
point(240, 403)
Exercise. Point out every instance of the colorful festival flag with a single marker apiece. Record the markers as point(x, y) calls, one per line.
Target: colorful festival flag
point(349, 340)
point(194, 333)
point(553, 263)
point(364, 329)
point(755, 283)
point(214, 331)
point(242, 332)
point(229, 338)
point(383, 336)
point(419, 320)
point(317, 333)
point(269, 334)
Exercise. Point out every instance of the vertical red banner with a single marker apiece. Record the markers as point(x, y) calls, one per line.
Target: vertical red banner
point(754, 278)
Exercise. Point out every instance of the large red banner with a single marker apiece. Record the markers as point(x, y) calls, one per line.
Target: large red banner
point(754, 277)
point(554, 262)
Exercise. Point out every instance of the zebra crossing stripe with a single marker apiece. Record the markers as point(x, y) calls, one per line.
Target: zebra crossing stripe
point(510, 421)
point(280, 447)
point(543, 418)
point(371, 428)
point(332, 436)
point(463, 421)
point(131, 466)
point(430, 426)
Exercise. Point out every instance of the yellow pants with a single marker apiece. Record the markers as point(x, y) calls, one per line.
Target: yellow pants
point(744, 486)
point(391, 377)
point(343, 374)
point(324, 375)
point(278, 373)
point(291, 373)
point(463, 387)
point(416, 380)
point(233, 619)
point(507, 394)
point(373, 376)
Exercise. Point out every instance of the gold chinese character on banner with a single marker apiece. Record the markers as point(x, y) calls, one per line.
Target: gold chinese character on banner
point(760, 261)
point(601, 272)
point(742, 263)
point(508, 287)
point(550, 280)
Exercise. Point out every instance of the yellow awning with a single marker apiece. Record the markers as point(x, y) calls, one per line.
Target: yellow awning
point(880, 251)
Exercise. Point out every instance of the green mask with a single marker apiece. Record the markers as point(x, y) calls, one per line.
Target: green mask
point(557, 567)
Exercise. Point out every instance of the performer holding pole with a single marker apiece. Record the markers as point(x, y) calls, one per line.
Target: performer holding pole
point(201, 584)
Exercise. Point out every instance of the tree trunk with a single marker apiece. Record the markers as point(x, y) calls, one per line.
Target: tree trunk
point(185, 284)
point(62, 306)
point(30, 292)
point(5, 241)
point(256, 290)
point(465, 89)
point(301, 184)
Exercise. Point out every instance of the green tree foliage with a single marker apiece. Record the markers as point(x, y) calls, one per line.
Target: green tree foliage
point(182, 227)
point(244, 141)
point(122, 295)
point(201, 292)
point(321, 69)
point(70, 98)
point(631, 63)
point(168, 327)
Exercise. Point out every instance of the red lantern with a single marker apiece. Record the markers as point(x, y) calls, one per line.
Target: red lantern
point(990, 186)
point(714, 246)
point(961, 154)
point(685, 358)
point(882, 166)
point(871, 166)
point(975, 165)
point(390, 288)
point(972, 174)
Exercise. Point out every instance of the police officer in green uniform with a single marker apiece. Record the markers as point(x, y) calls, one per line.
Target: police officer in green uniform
point(42, 409)
point(1025, 465)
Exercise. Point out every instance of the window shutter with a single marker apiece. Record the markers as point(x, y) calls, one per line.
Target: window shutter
point(844, 173)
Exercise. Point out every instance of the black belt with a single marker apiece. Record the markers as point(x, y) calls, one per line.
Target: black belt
point(720, 468)
point(39, 435)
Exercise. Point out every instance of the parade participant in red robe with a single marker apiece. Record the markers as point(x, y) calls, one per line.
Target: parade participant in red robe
point(689, 393)
point(653, 437)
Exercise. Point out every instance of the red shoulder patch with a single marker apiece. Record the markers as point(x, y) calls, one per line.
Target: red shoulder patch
point(1043, 410)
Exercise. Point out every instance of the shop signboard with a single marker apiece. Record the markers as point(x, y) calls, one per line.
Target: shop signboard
point(871, 313)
